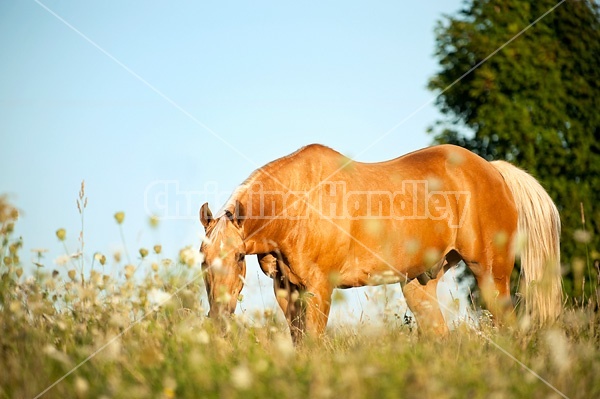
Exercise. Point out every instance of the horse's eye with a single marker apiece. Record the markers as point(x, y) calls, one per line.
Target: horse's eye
point(240, 257)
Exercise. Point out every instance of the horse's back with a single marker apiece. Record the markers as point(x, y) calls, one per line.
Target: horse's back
point(450, 167)
point(331, 162)
point(444, 167)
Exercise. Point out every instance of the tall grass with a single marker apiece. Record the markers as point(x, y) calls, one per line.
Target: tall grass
point(143, 333)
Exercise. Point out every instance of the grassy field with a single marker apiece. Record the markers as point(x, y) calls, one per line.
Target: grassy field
point(77, 332)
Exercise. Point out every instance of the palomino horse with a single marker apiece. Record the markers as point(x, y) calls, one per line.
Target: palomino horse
point(319, 221)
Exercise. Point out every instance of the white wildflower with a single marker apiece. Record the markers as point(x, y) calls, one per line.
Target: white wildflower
point(241, 377)
point(203, 337)
point(39, 251)
point(582, 236)
point(190, 257)
point(520, 243)
point(62, 260)
point(158, 297)
point(284, 346)
point(559, 349)
point(225, 297)
point(81, 386)
point(217, 266)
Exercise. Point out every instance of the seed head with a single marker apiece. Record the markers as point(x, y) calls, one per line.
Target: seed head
point(119, 217)
point(153, 221)
point(129, 270)
point(72, 274)
point(61, 234)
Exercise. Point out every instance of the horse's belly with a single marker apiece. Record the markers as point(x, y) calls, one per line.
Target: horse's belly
point(370, 274)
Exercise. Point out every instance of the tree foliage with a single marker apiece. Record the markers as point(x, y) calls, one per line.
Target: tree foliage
point(536, 103)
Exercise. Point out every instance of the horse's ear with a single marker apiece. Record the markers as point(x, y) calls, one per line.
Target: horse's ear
point(205, 215)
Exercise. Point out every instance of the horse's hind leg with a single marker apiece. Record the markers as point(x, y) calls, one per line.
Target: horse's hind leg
point(494, 284)
point(422, 301)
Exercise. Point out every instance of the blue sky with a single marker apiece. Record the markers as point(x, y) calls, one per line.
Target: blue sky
point(198, 94)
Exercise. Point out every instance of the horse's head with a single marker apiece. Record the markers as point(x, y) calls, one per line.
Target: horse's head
point(224, 261)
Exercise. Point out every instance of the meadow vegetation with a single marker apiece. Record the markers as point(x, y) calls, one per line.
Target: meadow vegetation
point(80, 332)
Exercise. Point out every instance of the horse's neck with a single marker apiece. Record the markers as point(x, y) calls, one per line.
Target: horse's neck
point(256, 235)
point(260, 228)
point(257, 227)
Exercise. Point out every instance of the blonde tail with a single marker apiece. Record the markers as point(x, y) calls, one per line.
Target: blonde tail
point(537, 243)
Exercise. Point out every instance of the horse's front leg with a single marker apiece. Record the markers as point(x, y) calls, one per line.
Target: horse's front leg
point(317, 299)
point(286, 293)
point(288, 298)
point(306, 310)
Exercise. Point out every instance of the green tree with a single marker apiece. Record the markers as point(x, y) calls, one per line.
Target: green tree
point(536, 103)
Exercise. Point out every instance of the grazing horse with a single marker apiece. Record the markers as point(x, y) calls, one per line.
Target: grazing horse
point(318, 221)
